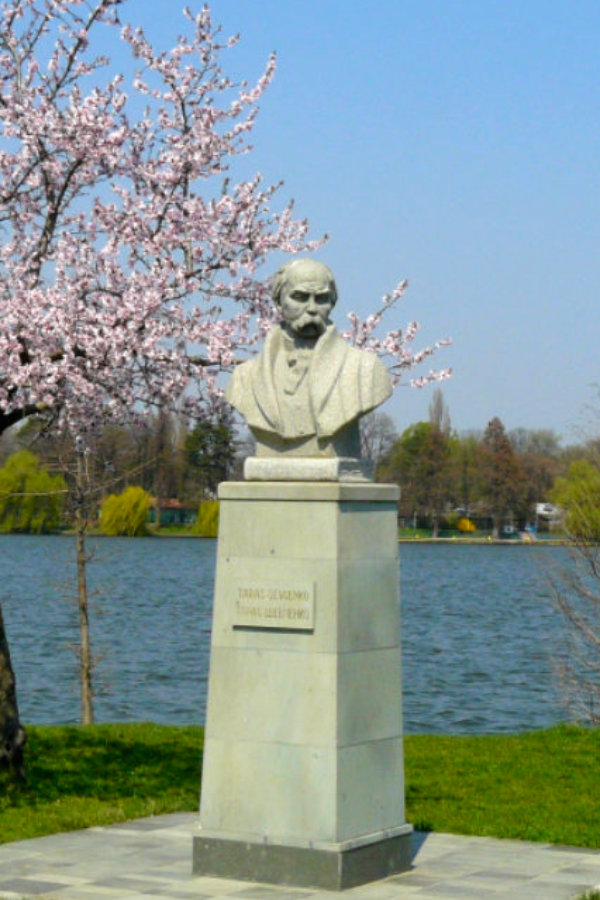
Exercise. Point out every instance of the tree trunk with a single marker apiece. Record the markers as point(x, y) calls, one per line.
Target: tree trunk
point(85, 654)
point(12, 734)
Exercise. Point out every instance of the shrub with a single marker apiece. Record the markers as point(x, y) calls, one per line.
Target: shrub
point(465, 525)
point(126, 513)
point(207, 521)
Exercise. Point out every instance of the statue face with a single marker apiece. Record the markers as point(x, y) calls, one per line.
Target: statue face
point(306, 300)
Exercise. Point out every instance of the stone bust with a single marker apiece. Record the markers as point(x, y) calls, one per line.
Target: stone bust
point(304, 393)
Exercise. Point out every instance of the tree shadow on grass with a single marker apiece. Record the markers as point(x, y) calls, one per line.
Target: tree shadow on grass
point(108, 762)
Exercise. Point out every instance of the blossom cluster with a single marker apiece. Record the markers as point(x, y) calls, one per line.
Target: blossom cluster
point(395, 347)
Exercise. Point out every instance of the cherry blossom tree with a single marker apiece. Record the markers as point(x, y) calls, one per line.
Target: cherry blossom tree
point(130, 258)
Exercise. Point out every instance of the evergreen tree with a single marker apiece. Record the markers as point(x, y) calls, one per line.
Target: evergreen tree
point(209, 453)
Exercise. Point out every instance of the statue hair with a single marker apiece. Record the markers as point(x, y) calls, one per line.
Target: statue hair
point(281, 277)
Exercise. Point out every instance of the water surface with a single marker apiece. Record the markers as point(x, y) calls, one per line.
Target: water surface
point(478, 633)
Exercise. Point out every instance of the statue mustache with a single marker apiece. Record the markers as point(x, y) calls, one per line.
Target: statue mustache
point(307, 321)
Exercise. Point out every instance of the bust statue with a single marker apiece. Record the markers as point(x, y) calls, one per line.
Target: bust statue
point(304, 393)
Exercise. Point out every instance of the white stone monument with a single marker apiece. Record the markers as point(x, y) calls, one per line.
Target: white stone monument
point(303, 776)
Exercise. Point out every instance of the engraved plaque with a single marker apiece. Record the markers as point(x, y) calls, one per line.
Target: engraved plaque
point(288, 606)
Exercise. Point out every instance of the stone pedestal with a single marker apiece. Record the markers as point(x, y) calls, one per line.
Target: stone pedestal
point(303, 780)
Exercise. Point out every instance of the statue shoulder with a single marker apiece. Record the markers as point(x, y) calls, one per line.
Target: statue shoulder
point(368, 361)
point(374, 376)
point(239, 380)
point(251, 374)
point(362, 366)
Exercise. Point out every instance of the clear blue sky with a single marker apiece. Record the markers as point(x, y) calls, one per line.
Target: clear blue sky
point(455, 143)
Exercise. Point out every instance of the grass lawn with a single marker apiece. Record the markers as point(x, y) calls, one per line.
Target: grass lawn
point(537, 786)
point(540, 786)
point(81, 776)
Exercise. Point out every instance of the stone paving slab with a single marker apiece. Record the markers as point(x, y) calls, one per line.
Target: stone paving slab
point(151, 859)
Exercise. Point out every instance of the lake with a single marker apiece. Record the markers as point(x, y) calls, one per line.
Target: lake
point(478, 631)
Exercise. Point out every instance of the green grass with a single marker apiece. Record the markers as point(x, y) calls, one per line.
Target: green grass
point(82, 776)
point(539, 786)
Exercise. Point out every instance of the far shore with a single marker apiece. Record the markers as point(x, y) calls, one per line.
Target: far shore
point(484, 540)
point(488, 540)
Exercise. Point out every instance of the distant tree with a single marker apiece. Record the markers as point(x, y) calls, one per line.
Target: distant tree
point(464, 451)
point(501, 477)
point(118, 457)
point(576, 584)
point(245, 446)
point(8, 444)
point(439, 414)
point(209, 453)
point(145, 452)
point(538, 441)
point(540, 472)
point(31, 498)
point(420, 462)
point(578, 495)
point(539, 455)
point(588, 449)
point(126, 514)
point(160, 452)
point(437, 471)
point(575, 587)
point(401, 466)
point(434, 476)
point(207, 521)
point(377, 434)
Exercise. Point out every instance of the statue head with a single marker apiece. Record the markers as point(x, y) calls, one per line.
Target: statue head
point(305, 291)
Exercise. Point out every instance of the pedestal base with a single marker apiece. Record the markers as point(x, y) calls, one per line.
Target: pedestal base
point(331, 869)
point(298, 468)
point(303, 778)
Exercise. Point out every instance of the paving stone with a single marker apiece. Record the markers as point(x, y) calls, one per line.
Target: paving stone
point(30, 886)
point(287, 893)
point(152, 859)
